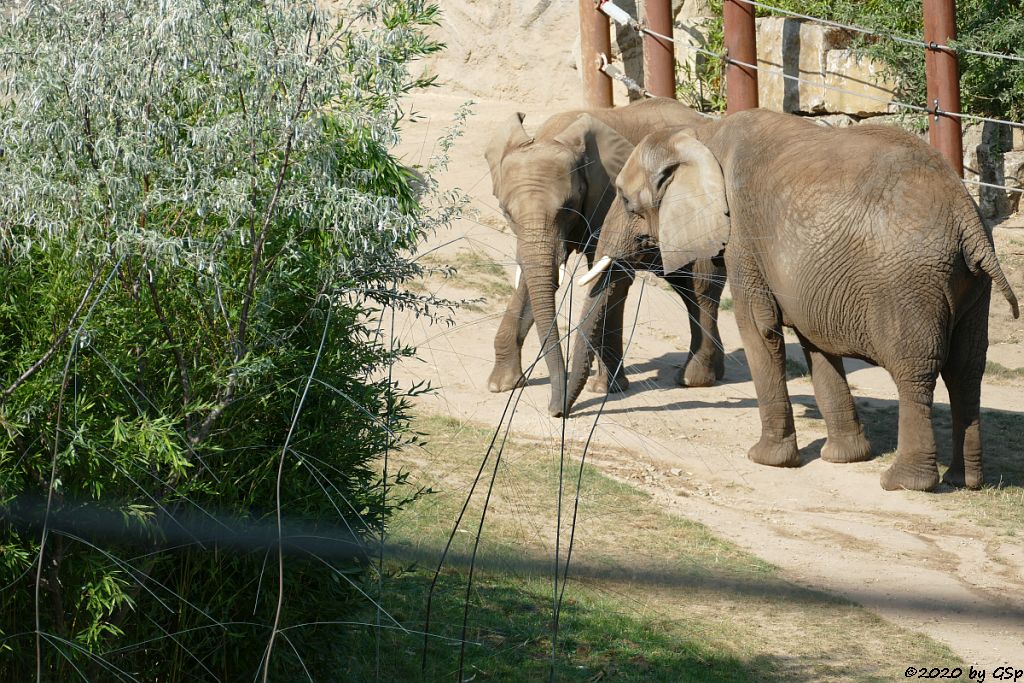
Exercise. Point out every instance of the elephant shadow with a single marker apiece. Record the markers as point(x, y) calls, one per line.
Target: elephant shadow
point(668, 365)
point(1002, 430)
point(1002, 437)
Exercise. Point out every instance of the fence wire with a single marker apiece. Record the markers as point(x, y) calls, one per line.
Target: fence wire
point(625, 19)
point(888, 36)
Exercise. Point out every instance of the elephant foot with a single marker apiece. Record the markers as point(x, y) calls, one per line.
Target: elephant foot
point(846, 448)
point(601, 385)
point(505, 378)
point(910, 477)
point(776, 453)
point(556, 407)
point(697, 373)
point(959, 480)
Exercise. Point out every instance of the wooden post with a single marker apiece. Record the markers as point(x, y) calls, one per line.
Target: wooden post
point(740, 45)
point(659, 54)
point(943, 73)
point(595, 40)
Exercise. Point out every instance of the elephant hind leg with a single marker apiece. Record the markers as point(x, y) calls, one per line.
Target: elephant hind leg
point(962, 374)
point(846, 441)
point(915, 468)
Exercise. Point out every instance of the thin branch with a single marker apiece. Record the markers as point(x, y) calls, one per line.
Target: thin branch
point(57, 343)
point(186, 385)
point(280, 475)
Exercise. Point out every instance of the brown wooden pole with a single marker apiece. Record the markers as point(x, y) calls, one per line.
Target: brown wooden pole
point(659, 55)
point(741, 46)
point(943, 73)
point(595, 40)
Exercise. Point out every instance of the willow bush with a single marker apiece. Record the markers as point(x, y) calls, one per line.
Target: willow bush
point(201, 227)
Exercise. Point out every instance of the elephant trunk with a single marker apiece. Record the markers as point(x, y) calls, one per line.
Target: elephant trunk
point(600, 329)
point(599, 334)
point(541, 252)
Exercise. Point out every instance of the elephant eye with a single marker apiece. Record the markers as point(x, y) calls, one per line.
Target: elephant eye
point(664, 176)
point(629, 208)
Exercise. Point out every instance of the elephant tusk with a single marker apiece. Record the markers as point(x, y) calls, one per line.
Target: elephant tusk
point(561, 274)
point(598, 268)
point(519, 275)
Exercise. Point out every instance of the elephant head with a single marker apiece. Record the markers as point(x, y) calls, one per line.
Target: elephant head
point(554, 192)
point(683, 180)
point(675, 184)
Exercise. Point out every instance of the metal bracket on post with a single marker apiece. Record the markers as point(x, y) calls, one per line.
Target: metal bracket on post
point(659, 50)
point(740, 37)
point(943, 77)
point(595, 39)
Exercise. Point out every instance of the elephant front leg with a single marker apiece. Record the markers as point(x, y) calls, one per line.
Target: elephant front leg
point(611, 369)
point(508, 342)
point(758, 320)
point(846, 441)
point(700, 288)
point(915, 468)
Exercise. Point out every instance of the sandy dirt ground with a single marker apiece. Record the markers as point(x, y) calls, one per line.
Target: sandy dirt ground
point(916, 559)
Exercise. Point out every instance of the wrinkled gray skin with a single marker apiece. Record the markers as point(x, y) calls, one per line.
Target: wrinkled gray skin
point(863, 241)
point(555, 190)
point(624, 239)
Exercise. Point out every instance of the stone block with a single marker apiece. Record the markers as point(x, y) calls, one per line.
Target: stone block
point(984, 161)
point(790, 49)
point(1017, 139)
point(835, 120)
point(1013, 171)
point(856, 85)
point(688, 34)
point(692, 9)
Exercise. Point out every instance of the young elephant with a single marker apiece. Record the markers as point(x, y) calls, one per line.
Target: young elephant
point(863, 241)
point(555, 189)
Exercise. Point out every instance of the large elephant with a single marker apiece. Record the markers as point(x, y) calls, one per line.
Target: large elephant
point(862, 240)
point(555, 189)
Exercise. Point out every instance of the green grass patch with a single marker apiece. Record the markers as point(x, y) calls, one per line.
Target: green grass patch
point(725, 304)
point(651, 596)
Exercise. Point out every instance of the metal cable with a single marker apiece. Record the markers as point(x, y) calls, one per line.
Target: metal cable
point(627, 20)
point(615, 73)
point(890, 36)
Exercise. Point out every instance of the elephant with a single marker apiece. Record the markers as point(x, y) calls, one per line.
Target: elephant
point(862, 240)
point(554, 189)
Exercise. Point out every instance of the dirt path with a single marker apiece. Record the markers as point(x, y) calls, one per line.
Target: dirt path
point(916, 559)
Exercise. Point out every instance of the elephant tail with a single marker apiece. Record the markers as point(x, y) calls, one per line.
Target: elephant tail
point(981, 256)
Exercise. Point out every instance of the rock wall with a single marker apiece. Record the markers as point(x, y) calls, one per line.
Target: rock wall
point(811, 69)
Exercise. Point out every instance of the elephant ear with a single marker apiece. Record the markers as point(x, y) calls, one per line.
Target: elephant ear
point(510, 134)
point(693, 218)
point(600, 154)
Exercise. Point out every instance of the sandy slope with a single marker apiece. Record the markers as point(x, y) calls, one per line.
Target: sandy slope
point(914, 558)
